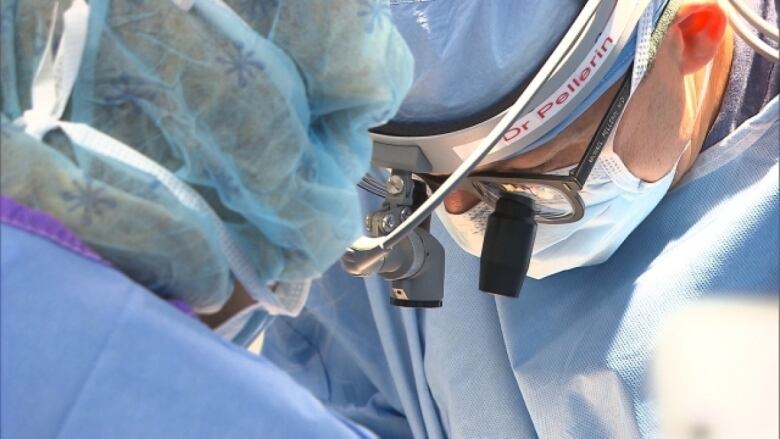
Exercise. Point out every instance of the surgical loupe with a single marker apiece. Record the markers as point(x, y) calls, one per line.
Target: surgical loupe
point(399, 246)
point(401, 249)
point(556, 199)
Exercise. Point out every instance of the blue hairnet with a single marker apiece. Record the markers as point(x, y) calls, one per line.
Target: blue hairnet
point(264, 111)
point(469, 55)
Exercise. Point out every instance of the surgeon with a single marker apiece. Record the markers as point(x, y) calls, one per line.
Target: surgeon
point(681, 203)
point(155, 157)
point(155, 143)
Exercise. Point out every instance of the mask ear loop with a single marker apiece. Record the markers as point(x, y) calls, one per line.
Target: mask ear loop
point(695, 97)
point(648, 43)
point(699, 96)
point(692, 93)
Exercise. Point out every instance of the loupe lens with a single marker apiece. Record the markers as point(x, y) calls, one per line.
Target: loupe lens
point(508, 245)
point(550, 202)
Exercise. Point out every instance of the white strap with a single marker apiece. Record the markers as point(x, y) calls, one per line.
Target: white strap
point(51, 90)
point(184, 5)
point(56, 75)
point(93, 140)
point(644, 36)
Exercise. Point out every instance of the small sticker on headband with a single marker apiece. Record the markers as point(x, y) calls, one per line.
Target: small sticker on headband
point(184, 5)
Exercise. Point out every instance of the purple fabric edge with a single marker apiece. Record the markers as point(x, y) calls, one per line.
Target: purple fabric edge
point(39, 223)
point(44, 225)
point(183, 306)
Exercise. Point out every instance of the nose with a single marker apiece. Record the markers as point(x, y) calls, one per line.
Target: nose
point(459, 201)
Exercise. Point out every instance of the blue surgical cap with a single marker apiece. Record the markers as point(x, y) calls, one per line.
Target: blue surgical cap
point(470, 54)
point(261, 106)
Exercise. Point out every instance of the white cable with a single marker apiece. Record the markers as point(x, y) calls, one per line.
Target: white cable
point(490, 140)
point(495, 135)
point(759, 23)
point(738, 22)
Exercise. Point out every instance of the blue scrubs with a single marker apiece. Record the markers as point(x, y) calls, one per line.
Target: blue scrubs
point(569, 357)
point(87, 353)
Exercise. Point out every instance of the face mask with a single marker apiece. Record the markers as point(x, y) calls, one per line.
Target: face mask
point(615, 203)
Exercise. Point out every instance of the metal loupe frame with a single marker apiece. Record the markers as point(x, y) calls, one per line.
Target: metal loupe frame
point(568, 185)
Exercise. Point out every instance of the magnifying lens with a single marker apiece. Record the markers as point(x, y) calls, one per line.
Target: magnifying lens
point(399, 246)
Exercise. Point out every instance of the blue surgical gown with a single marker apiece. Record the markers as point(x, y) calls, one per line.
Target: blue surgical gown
point(569, 357)
point(87, 353)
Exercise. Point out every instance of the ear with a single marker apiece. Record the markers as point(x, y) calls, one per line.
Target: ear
point(701, 26)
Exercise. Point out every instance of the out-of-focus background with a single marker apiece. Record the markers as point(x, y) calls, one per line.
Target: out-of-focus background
point(716, 371)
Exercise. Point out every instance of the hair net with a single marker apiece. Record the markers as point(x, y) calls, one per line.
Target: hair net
point(264, 111)
point(470, 54)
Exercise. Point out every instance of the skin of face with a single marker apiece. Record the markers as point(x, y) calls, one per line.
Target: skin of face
point(675, 103)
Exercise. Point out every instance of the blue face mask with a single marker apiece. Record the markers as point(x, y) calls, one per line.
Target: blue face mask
point(615, 202)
